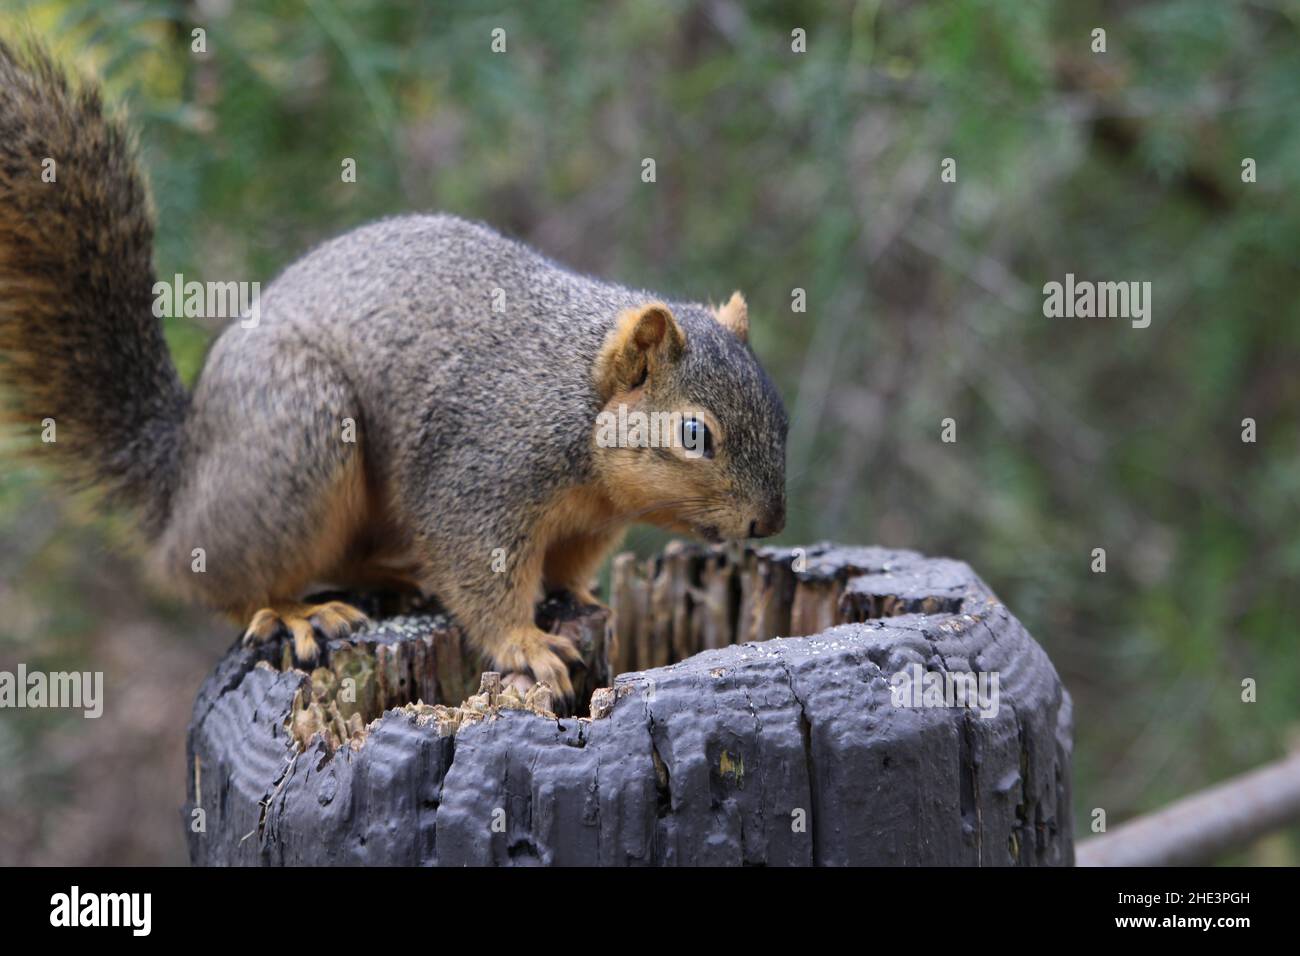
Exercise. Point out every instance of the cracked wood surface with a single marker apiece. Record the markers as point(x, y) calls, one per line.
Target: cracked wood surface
point(780, 751)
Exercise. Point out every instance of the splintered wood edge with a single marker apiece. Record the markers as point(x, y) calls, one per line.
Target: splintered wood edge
point(681, 602)
point(671, 606)
point(309, 719)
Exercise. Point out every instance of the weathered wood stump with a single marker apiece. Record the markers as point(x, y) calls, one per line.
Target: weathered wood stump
point(853, 744)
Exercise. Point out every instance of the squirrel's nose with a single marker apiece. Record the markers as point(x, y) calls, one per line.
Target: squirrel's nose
point(771, 523)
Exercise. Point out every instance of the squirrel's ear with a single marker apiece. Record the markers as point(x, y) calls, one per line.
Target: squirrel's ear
point(643, 339)
point(734, 316)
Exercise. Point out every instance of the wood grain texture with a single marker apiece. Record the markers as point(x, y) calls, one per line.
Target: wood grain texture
point(775, 751)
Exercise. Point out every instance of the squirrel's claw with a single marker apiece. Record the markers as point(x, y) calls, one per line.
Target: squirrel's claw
point(303, 622)
point(545, 656)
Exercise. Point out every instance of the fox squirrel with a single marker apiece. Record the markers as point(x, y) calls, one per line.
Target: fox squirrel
point(474, 371)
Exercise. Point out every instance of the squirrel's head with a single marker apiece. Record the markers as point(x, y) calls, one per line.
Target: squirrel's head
point(691, 436)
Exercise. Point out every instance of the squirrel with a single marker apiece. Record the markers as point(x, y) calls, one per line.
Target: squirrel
point(475, 373)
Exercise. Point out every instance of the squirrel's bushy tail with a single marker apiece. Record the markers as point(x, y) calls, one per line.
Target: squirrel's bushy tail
point(79, 343)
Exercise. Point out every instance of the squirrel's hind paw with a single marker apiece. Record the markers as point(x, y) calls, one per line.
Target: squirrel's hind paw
point(303, 622)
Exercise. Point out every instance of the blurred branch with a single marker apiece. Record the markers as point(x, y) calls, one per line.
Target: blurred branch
point(1203, 827)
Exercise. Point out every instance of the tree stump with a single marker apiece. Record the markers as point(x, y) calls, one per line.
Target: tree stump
point(768, 707)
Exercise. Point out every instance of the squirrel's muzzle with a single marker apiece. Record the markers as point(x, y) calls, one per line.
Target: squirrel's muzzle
point(772, 521)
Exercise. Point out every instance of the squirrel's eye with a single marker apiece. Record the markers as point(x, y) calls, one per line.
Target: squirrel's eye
point(697, 439)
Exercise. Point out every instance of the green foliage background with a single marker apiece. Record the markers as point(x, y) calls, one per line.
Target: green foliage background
point(819, 171)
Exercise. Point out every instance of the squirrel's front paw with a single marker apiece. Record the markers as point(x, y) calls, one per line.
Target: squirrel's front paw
point(546, 656)
point(303, 622)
